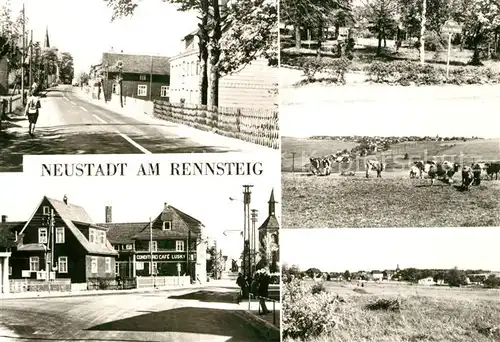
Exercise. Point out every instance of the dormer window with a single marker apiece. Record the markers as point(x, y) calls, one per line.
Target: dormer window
point(167, 225)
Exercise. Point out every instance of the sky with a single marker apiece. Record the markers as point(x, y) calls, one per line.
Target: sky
point(136, 199)
point(84, 29)
point(337, 250)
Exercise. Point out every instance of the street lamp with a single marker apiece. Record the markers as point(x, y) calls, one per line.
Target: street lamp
point(253, 241)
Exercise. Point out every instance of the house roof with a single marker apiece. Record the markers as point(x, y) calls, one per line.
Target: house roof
point(7, 235)
point(122, 233)
point(139, 64)
point(270, 222)
point(32, 247)
point(71, 215)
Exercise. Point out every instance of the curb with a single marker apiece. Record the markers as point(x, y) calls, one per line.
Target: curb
point(265, 329)
point(97, 294)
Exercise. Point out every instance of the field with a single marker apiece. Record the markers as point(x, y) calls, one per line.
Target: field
point(426, 313)
point(394, 200)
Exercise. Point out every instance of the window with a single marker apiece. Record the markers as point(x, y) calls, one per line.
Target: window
point(164, 91)
point(129, 247)
point(102, 237)
point(154, 246)
point(117, 247)
point(139, 266)
point(108, 265)
point(142, 77)
point(60, 235)
point(92, 236)
point(155, 268)
point(179, 246)
point(192, 68)
point(167, 225)
point(142, 90)
point(93, 265)
point(34, 264)
point(46, 210)
point(63, 264)
point(42, 235)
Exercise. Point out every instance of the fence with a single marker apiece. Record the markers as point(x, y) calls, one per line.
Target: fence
point(267, 300)
point(31, 285)
point(111, 284)
point(162, 281)
point(8, 104)
point(258, 126)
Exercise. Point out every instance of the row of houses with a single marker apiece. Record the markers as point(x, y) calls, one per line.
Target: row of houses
point(61, 241)
point(176, 79)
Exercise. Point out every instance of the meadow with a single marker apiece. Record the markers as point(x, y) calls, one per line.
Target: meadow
point(394, 200)
point(423, 313)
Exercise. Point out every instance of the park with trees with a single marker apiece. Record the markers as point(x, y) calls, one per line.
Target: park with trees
point(397, 42)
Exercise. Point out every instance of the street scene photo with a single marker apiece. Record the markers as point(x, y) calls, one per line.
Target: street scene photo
point(386, 284)
point(157, 261)
point(387, 113)
point(118, 77)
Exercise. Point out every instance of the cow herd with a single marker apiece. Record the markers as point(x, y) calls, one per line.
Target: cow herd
point(433, 170)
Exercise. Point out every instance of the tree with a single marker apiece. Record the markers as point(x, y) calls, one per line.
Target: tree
point(215, 263)
point(313, 272)
point(251, 33)
point(382, 15)
point(66, 67)
point(83, 78)
point(268, 254)
point(347, 275)
point(492, 281)
point(119, 79)
point(455, 277)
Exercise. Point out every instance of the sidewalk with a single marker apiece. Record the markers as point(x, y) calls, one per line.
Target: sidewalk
point(57, 294)
point(268, 325)
point(203, 137)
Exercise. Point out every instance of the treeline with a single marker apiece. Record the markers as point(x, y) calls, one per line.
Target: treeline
point(452, 277)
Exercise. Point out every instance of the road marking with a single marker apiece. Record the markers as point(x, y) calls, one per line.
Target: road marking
point(83, 108)
point(73, 103)
point(126, 137)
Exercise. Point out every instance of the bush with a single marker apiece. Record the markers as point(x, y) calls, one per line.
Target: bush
point(305, 314)
point(317, 288)
point(311, 66)
point(338, 68)
point(433, 42)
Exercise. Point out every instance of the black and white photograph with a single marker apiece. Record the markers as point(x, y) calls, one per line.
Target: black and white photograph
point(137, 77)
point(158, 259)
point(386, 284)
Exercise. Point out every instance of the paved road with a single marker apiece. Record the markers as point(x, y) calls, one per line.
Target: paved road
point(193, 315)
point(71, 125)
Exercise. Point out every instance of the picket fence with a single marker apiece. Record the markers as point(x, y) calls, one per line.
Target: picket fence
point(258, 126)
point(32, 285)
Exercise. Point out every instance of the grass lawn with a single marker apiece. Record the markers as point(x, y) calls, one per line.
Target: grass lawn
point(392, 201)
point(437, 314)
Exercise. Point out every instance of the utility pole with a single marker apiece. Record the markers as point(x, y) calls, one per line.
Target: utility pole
point(246, 248)
point(216, 261)
point(151, 79)
point(293, 161)
point(31, 59)
point(151, 250)
point(253, 243)
point(22, 61)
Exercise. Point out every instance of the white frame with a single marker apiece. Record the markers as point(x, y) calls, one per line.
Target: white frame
point(139, 266)
point(107, 265)
point(164, 91)
point(129, 245)
point(117, 268)
point(153, 246)
point(179, 243)
point(165, 226)
point(40, 230)
point(60, 229)
point(92, 235)
point(62, 260)
point(94, 261)
point(46, 210)
point(102, 237)
point(142, 77)
point(154, 267)
point(142, 90)
point(32, 260)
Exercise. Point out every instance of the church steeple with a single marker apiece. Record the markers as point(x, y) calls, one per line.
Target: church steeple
point(272, 204)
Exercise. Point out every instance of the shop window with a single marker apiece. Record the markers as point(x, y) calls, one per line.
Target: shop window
point(139, 266)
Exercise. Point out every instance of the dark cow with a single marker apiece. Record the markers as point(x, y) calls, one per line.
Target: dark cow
point(493, 169)
point(320, 166)
point(315, 165)
point(467, 177)
point(374, 165)
point(477, 169)
point(444, 171)
point(423, 167)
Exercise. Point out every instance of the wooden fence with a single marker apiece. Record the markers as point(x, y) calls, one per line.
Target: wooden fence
point(111, 284)
point(258, 126)
point(32, 285)
point(163, 281)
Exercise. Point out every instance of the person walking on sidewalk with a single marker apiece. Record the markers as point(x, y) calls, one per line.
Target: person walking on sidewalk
point(263, 291)
point(32, 110)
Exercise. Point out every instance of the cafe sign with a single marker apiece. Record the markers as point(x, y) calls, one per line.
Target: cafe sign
point(179, 256)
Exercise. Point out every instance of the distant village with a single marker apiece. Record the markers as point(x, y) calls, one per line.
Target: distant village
point(444, 277)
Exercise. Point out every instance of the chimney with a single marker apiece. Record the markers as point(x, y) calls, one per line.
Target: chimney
point(4, 218)
point(165, 205)
point(108, 214)
point(65, 199)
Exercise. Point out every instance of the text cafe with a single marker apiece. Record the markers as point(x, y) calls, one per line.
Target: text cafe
point(166, 263)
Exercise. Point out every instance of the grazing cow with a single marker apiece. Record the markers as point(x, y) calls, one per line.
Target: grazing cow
point(493, 169)
point(320, 166)
point(315, 165)
point(424, 167)
point(374, 165)
point(476, 171)
point(467, 177)
point(443, 171)
point(415, 172)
